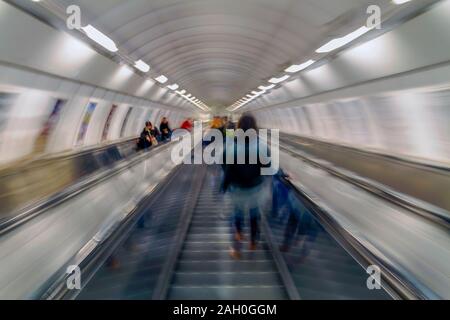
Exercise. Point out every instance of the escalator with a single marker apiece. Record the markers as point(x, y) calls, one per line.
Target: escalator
point(205, 269)
point(179, 249)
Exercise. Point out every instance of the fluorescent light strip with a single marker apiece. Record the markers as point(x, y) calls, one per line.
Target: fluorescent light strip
point(400, 1)
point(142, 66)
point(299, 67)
point(265, 88)
point(100, 38)
point(161, 79)
point(340, 42)
point(173, 86)
point(258, 93)
point(278, 80)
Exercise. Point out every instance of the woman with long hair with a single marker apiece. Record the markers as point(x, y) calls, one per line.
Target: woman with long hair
point(245, 183)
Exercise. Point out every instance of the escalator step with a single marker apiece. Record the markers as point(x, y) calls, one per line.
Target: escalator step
point(269, 278)
point(223, 255)
point(227, 292)
point(226, 266)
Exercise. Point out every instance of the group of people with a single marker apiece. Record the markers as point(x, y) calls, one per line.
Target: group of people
point(243, 182)
point(222, 124)
point(151, 136)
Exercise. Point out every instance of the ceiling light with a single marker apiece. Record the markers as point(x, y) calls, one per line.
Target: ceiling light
point(100, 38)
point(299, 67)
point(265, 88)
point(400, 1)
point(173, 86)
point(339, 42)
point(258, 93)
point(161, 79)
point(141, 65)
point(278, 80)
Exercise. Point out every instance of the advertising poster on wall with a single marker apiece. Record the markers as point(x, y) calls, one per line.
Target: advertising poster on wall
point(49, 126)
point(85, 123)
point(108, 122)
point(125, 121)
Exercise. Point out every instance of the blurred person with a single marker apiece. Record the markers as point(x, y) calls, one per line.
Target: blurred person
point(155, 134)
point(246, 187)
point(164, 129)
point(187, 124)
point(147, 137)
point(227, 125)
point(216, 123)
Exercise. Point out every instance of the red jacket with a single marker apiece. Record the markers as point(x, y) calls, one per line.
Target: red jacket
point(187, 125)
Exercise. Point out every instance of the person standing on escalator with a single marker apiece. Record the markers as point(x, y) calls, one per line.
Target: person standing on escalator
point(245, 183)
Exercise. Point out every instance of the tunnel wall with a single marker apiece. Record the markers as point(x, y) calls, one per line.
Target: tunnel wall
point(57, 93)
point(390, 94)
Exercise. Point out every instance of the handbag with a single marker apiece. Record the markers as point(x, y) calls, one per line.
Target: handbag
point(154, 141)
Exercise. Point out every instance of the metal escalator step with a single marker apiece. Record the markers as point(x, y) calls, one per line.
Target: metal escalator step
point(215, 229)
point(222, 255)
point(214, 245)
point(209, 237)
point(327, 263)
point(335, 255)
point(338, 288)
point(227, 292)
point(270, 278)
point(120, 288)
point(341, 274)
point(226, 266)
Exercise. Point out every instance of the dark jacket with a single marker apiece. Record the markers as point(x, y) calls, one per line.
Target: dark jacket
point(243, 175)
point(144, 138)
point(165, 129)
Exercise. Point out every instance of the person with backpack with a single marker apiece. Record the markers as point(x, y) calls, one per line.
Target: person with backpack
point(245, 184)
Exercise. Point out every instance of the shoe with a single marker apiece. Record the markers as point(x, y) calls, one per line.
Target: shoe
point(235, 254)
point(238, 236)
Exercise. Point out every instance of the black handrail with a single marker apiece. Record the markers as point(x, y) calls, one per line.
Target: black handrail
point(394, 280)
point(56, 288)
point(436, 215)
point(24, 215)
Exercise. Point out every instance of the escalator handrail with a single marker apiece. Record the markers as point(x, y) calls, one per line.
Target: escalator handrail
point(432, 213)
point(282, 267)
point(43, 161)
point(92, 256)
point(88, 182)
point(164, 279)
point(398, 285)
point(416, 163)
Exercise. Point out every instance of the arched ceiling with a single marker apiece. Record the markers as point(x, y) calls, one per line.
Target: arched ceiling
point(219, 50)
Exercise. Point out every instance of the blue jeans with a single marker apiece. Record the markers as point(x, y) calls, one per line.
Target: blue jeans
point(246, 201)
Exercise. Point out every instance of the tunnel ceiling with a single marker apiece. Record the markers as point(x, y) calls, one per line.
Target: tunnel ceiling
point(219, 50)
